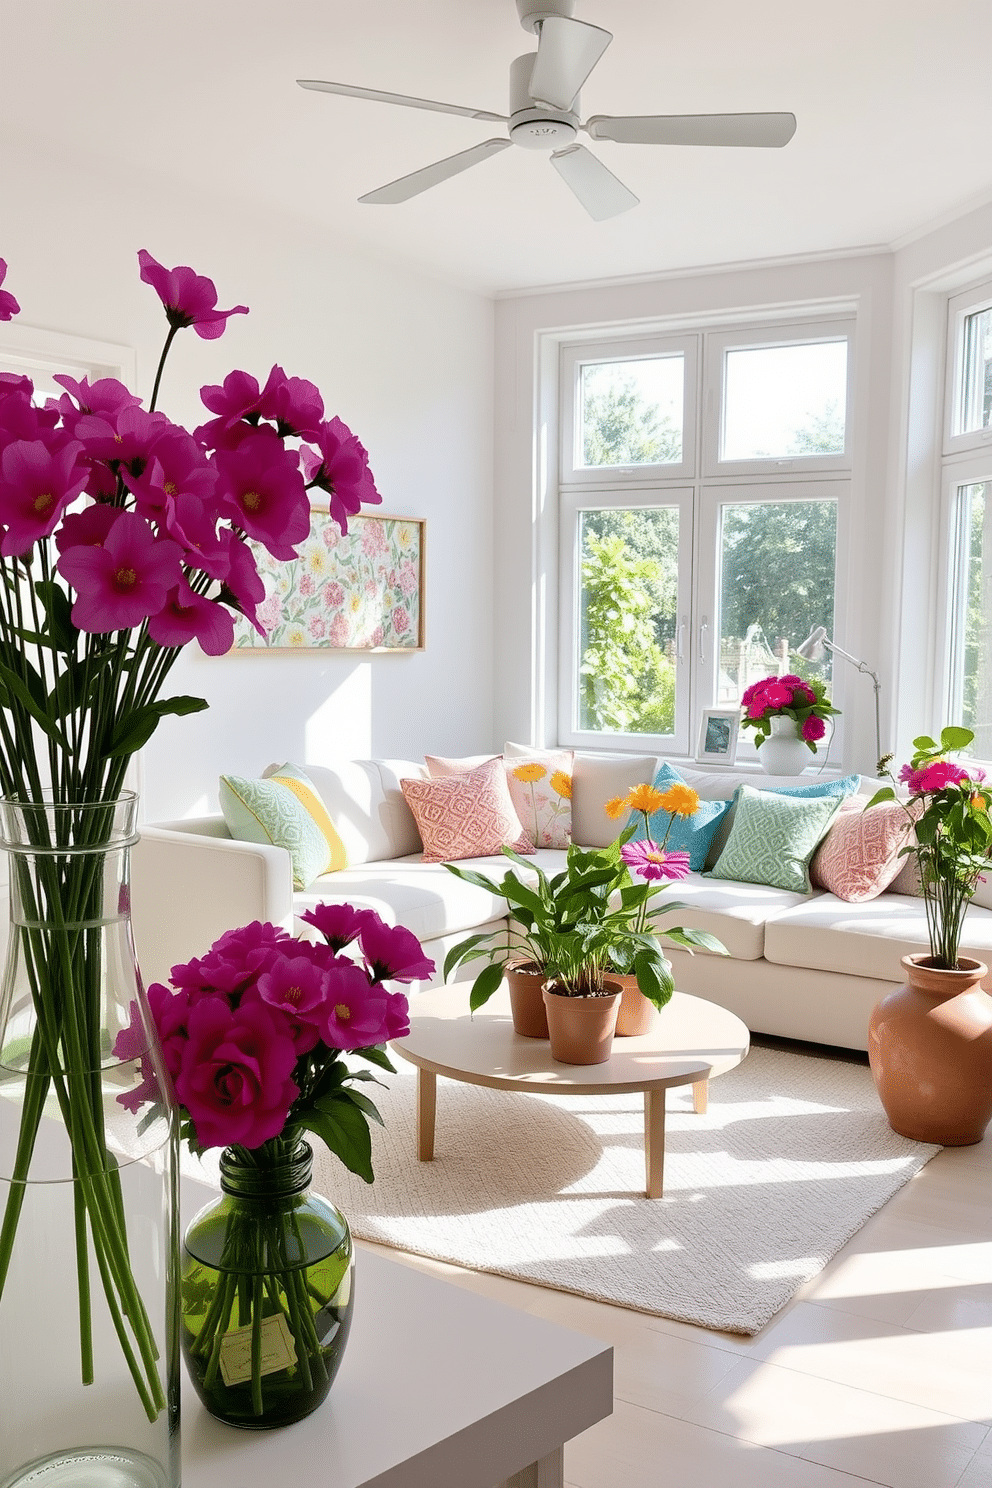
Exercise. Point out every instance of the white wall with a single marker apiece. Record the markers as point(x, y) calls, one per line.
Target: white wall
point(406, 362)
point(525, 621)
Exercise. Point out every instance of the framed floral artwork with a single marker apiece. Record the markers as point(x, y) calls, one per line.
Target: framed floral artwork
point(360, 591)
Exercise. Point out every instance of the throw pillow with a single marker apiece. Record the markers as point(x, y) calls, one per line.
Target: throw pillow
point(466, 816)
point(692, 834)
point(773, 838)
point(540, 785)
point(438, 767)
point(271, 811)
point(859, 857)
point(306, 792)
point(847, 785)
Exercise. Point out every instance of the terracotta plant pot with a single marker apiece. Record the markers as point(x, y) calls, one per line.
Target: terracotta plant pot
point(526, 984)
point(930, 1050)
point(635, 1015)
point(581, 1028)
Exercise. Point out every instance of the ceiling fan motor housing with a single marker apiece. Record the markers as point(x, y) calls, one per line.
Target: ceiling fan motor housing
point(533, 12)
point(531, 125)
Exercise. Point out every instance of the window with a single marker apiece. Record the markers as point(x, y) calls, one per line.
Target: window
point(967, 518)
point(679, 589)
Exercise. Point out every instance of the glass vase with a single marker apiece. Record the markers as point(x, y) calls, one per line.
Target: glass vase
point(89, 1366)
point(267, 1290)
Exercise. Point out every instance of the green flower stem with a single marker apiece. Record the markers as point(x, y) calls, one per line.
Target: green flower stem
point(83, 1286)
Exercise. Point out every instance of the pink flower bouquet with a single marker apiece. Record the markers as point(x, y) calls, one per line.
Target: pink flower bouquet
point(791, 697)
point(949, 808)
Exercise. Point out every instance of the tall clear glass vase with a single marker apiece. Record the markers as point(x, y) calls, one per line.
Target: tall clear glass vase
point(89, 1365)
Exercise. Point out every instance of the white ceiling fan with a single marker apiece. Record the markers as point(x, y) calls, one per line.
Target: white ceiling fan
point(544, 101)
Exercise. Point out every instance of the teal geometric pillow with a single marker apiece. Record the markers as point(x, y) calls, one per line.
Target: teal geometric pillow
point(846, 786)
point(265, 811)
point(692, 834)
point(773, 838)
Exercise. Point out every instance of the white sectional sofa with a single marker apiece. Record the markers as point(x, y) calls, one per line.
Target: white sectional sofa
point(805, 966)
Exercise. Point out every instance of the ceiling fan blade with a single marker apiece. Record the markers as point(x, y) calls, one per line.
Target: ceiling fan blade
point(567, 52)
point(418, 103)
point(432, 175)
point(694, 129)
point(597, 188)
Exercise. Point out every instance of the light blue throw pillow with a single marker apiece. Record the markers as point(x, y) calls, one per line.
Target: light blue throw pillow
point(692, 834)
point(848, 785)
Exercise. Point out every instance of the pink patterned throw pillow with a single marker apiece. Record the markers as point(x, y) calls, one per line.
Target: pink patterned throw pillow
point(541, 790)
point(465, 816)
point(859, 857)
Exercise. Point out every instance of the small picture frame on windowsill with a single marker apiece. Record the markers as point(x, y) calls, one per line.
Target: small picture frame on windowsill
point(718, 736)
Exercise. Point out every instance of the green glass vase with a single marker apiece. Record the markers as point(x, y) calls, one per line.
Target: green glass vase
point(267, 1290)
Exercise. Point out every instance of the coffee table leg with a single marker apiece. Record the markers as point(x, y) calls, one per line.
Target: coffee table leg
point(654, 1142)
point(549, 1472)
point(426, 1111)
point(700, 1097)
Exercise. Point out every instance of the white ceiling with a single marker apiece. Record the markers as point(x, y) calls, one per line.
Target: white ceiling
point(891, 97)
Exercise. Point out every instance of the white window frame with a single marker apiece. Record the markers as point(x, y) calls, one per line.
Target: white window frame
point(973, 471)
point(643, 348)
point(756, 337)
point(31, 350)
point(970, 302)
point(708, 581)
point(573, 503)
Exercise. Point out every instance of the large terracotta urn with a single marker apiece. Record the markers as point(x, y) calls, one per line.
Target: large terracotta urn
point(930, 1050)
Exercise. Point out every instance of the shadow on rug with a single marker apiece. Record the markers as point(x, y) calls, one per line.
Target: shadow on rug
point(793, 1156)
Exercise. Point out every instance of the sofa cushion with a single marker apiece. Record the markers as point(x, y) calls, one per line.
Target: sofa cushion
point(465, 816)
point(364, 801)
point(866, 939)
point(540, 784)
point(736, 913)
point(424, 897)
point(779, 785)
point(860, 855)
point(773, 838)
point(596, 779)
point(439, 765)
point(692, 834)
point(272, 811)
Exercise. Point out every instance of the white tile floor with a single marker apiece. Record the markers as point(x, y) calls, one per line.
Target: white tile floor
point(878, 1372)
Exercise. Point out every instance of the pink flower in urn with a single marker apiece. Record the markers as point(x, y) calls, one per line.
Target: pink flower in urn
point(8, 305)
point(654, 862)
point(125, 580)
point(189, 298)
point(932, 777)
point(776, 695)
point(813, 728)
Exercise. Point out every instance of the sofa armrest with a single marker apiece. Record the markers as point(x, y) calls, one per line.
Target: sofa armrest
point(187, 888)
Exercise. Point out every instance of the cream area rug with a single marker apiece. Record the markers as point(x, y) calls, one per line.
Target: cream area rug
point(791, 1159)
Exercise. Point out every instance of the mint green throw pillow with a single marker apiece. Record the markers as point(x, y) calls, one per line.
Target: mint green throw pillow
point(266, 811)
point(773, 838)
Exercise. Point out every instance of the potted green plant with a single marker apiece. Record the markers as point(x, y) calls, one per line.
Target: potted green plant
point(930, 1041)
point(576, 926)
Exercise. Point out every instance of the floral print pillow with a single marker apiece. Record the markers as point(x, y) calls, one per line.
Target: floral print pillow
point(541, 791)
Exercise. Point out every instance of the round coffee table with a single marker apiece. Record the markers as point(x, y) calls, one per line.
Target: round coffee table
point(691, 1042)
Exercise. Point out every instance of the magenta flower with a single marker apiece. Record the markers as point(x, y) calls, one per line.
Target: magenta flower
point(36, 484)
point(122, 438)
point(397, 1016)
point(339, 924)
point(653, 862)
point(8, 305)
point(813, 728)
point(235, 1078)
point(193, 525)
point(293, 404)
point(176, 466)
point(776, 695)
point(294, 985)
point(340, 466)
point(263, 489)
point(234, 400)
point(187, 616)
point(393, 952)
point(233, 962)
point(354, 1013)
point(86, 528)
point(106, 396)
point(123, 582)
point(189, 299)
point(932, 777)
point(242, 589)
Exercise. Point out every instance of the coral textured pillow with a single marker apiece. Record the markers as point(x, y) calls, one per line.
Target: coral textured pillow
point(465, 816)
point(438, 767)
point(541, 791)
point(859, 857)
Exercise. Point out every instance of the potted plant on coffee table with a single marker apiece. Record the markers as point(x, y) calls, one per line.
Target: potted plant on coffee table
point(930, 1041)
point(576, 926)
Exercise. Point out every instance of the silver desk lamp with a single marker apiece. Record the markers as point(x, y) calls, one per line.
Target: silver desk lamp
point(812, 649)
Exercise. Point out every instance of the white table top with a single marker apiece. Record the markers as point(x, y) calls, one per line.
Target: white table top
point(691, 1037)
point(438, 1388)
